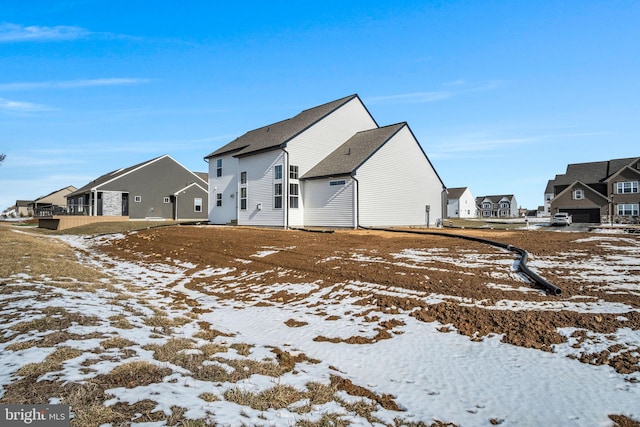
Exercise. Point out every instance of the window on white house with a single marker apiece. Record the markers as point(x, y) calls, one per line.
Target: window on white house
point(578, 194)
point(218, 167)
point(243, 198)
point(137, 199)
point(293, 172)
point(243, 177)
point(293, 195)
point(504, 205)
point(197, 204)
point(277, 195)
point(486, 213)
point(486, 205)
point(627, 187)
point(277, 172)
point(218, 199)
point(628, 209)
point(339, 182)
point(167, 200)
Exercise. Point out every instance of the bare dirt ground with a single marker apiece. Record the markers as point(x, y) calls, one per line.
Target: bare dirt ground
point(480, 278)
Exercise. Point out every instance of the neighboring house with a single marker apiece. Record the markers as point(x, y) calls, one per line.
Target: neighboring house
point(598, 192)
point(460, 203)
point(53, 203)
point(160, 188)
point(548, 195)
point(24, 208)
point(503, 206)
point(328, 166)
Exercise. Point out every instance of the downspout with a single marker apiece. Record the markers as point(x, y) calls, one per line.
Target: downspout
point(285, 190)
point(175, 206)
point(357, 200)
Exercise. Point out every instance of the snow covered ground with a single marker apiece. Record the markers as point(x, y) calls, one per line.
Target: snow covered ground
point(433, 375)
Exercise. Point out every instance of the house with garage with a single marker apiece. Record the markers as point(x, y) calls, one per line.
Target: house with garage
point(160, 188)
point(598, 192)
point(328, 166)
point(497, 206)
point(461, 203)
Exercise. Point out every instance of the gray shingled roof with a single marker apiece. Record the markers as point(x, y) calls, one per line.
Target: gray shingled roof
point(592, 172)
point(277, 134)
point(353, 153)
point(455, 193)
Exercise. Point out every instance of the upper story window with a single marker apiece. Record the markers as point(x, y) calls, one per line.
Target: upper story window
point(504, 205)
point(218, 167)
point(293, 172)
point(338, 182)
point(578, 194)
point(277, 172)
point(627, 187)
point(243, 177)
point(486, 205)
point(197, 204)
point(547, 197)
point(137, 199)
point(167, 200)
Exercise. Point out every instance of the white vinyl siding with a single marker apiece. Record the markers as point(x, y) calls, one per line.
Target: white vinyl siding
point(260, 189)
point(227, 186)
point(317, 142)
point(329, 205)
point(399, 196)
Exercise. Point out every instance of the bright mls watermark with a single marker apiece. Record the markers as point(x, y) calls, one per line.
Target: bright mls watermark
point(34, 415)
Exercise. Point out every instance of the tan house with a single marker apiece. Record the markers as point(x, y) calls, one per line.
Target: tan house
point(598, 192)
point(50, 204)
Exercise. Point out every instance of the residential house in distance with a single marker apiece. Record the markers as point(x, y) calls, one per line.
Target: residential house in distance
point(328, 166)
point(460, 203)
point(599, 192)
point(499, 206)
point(53, 202)
point(159, 188)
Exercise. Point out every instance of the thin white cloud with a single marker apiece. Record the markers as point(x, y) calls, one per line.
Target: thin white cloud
point(7, 105)
point(19, 33)
point(67, 84)
point(411, 98)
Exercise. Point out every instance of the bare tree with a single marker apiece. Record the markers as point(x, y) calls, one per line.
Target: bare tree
point(2, 157)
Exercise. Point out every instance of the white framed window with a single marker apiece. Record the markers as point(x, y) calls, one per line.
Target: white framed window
point(277, 172)
point(167, 200)
point(627, 209)
point(578, 194)
point(486, 213)
point(486, 205)
point(293, 172)
point(243, 198)
point(338, 182)
point(137, 199)
point(293, 195)
point(197, 204)
point(218, 199)
point(627, 187)
point(277, 195)
point(243, 177)
point(504, 205)
point(218, 167)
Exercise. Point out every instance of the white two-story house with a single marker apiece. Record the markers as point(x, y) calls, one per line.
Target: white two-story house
point(328, 166)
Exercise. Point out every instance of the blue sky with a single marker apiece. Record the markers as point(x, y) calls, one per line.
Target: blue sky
point(502, 95)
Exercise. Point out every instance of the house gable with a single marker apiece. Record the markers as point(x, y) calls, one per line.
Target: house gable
point(277, 135)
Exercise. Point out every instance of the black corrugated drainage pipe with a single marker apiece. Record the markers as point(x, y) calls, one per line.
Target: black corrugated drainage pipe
point(522, 265)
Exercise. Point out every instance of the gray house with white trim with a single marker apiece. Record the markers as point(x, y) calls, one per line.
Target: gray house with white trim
point(328, 166)
point(160, 188)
